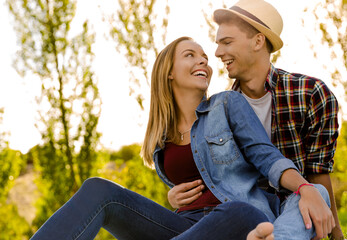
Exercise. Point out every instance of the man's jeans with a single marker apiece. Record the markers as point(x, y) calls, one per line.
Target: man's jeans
point(128, 215)
point(290, 224)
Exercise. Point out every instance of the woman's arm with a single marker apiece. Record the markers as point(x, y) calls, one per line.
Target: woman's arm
point(312, 205)
point(324, 179)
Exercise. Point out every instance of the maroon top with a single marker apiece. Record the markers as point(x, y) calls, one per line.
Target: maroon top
point(179, 167)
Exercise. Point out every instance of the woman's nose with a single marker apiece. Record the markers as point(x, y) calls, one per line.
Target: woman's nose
point(203, 60)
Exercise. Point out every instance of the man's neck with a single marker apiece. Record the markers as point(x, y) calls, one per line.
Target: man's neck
point(253, 87)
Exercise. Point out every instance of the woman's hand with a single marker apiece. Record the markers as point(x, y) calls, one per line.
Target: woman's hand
point(185, 193)
point(314, 209)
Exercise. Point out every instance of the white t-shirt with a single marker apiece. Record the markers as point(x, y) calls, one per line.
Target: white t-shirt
point(262, 107)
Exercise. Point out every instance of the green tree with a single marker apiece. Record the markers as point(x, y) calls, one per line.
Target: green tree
point(330, 23)
point(137, 31)
point(69, 101)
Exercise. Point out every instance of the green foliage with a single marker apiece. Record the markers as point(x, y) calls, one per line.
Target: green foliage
point(339, 177)
point(12, 226)
point(343, 220)
point(340, 165)
point(134, 30)
point(126, 152)
point(11, 165)
point(104, 235)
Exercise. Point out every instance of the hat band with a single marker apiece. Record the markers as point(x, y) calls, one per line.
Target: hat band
point(249, 15)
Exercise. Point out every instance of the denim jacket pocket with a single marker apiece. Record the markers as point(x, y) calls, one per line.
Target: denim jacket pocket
point(223, 148)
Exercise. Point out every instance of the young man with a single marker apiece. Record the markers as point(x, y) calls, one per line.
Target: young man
point(298, 112)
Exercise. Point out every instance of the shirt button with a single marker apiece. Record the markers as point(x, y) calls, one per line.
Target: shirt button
point(193, 136)
point(221, 139)
point(225, 200)
point(212, 186)
point(196, 151)
point(202, 169)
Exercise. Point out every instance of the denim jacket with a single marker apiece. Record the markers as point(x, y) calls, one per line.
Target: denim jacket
point(231, 151)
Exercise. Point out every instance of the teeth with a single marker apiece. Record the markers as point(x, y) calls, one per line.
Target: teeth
point(229, 62)
point(200, 73)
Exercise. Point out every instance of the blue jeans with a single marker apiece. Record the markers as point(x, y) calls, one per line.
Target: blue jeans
point(128, 215)
point(289, 224)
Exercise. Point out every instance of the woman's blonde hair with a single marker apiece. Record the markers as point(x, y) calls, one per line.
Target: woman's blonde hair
point(162, 122)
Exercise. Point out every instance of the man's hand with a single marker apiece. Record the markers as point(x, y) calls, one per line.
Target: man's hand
point(313, 207)
point(185, 193)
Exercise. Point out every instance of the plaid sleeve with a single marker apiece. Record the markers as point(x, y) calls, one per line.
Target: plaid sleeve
point(320, 141)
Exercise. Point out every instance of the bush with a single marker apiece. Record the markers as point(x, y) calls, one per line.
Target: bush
point(12, 226)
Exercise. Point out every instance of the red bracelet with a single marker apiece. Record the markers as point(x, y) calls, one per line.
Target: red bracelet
point(304, 184)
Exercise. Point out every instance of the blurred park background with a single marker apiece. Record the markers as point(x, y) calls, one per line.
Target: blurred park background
point(74, 91)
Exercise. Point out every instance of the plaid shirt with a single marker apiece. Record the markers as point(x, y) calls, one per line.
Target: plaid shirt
point(304, 120)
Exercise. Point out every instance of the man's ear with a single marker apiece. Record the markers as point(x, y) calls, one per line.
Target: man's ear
point(259, 41)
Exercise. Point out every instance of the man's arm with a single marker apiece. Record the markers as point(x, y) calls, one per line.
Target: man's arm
point(324, 179)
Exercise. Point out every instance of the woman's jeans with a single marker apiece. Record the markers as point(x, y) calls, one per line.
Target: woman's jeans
point(128, 215)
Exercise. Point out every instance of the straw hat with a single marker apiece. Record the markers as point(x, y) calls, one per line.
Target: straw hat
point(260, 14)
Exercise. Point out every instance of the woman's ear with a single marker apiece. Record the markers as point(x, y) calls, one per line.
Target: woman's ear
point(170, 76)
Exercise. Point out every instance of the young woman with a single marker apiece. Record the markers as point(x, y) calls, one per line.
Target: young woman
point(217, 140)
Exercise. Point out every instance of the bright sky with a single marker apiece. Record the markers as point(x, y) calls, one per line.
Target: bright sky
point(121, 120)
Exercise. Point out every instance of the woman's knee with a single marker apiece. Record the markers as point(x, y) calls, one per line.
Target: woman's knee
point(94, 182)
point(100, 186)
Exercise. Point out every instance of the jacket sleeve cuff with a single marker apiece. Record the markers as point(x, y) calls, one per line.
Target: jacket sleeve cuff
point(277, 170)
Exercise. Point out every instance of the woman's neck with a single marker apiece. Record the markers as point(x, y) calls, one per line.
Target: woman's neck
point(186, 106)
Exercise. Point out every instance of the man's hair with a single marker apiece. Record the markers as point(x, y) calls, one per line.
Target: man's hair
point(243, 26)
